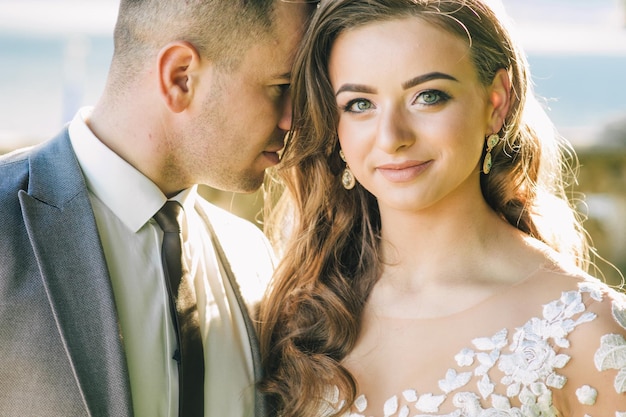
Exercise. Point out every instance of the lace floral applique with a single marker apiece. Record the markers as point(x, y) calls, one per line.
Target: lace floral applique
point(612, 355)
point(586, 395)
point(530, 367)
point(619, 313)
point(612, 351)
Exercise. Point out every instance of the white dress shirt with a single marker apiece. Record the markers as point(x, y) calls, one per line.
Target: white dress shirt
point(124, 201)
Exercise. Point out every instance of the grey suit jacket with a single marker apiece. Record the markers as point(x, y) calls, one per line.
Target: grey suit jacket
point(61, 352)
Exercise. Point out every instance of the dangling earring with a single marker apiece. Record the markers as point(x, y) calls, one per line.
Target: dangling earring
point(347, 178)
point(492, 141)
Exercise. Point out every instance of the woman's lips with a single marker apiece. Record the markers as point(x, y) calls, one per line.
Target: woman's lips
point(403, 172)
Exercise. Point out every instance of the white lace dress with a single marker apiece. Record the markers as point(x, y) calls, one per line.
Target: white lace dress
point(564, 357)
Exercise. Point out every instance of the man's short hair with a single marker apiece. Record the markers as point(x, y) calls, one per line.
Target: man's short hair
point(221, 30)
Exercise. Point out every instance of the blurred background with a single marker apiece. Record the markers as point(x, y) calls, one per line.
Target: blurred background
point(54, 57)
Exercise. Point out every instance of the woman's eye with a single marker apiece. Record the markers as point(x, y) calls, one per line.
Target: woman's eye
point(358, 106)
point(432, 97)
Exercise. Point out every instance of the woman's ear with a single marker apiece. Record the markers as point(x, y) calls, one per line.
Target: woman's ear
point(500, 100)
point(177, 62)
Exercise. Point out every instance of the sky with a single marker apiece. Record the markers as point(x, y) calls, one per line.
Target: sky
point(562, 26)
point(597, 25)
point(54, 55)
point(53, 17)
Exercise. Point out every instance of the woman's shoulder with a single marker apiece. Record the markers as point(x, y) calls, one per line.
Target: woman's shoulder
point(569, 291)
point(586, 324)
point(552, 274)
point(554, 277)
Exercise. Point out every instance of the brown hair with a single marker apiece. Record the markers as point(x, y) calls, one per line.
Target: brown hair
point(221, 30)
point(311, 316)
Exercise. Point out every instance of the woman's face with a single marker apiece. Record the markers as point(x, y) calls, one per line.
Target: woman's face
point(413, 115)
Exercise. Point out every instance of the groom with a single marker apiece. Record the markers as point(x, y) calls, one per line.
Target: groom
point(196, 93)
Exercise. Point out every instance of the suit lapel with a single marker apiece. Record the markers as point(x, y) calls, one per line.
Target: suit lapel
point(64, 236)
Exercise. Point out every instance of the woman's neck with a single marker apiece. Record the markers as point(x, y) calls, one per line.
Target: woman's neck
point(447, 245)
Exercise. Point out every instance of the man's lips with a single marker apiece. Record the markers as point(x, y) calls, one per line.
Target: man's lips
point(273, 154)
point(273, 149)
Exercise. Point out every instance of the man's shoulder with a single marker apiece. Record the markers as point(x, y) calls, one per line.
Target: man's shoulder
point(14, 172)
point(16, 156)
point(48, 171)
point(14, 161)
point(15, 164)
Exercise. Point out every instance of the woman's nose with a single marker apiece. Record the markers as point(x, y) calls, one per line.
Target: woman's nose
point(284, 122)
point(395, 130)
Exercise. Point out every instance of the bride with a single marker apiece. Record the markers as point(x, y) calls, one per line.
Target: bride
point(432, 263)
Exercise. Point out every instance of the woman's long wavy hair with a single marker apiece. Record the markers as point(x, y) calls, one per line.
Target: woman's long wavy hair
point(310, 318)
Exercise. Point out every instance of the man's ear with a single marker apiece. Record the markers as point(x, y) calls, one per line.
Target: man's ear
point(176, 62)
point(500, 100)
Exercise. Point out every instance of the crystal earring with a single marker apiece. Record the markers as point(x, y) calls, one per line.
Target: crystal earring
point(492, 141)
point(347, 178)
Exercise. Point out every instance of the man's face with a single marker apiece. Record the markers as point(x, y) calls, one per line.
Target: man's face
point(245, 112)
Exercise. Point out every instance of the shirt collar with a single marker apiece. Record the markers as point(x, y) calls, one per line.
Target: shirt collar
point(129, 194)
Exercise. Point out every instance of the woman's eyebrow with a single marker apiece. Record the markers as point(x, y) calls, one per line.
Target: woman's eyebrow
point(361, 88)
point(427, 77)
point(356, 88)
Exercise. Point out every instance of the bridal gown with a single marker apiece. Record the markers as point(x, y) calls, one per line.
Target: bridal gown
point(551, 345)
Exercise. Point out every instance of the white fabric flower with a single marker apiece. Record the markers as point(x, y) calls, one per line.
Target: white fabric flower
point(612, 355)
point(586, 395)
point(465, 357)
point(619, 313)
point(454, 380)
point(429, 403)
point(410, 395)
point(391, 406)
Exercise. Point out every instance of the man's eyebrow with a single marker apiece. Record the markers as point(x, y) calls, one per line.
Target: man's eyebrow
point(427, 77)
point(283, 76)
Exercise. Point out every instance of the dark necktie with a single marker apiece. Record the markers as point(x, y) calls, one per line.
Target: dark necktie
point(189, 355)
